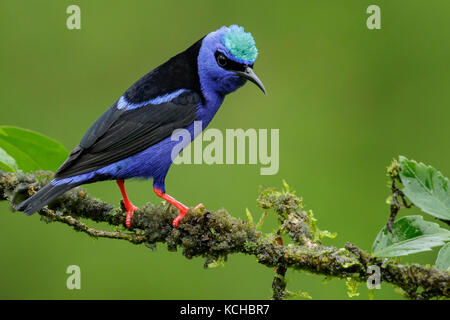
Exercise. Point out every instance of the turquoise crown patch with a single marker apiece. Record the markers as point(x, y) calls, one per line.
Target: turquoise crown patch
point(240, 44)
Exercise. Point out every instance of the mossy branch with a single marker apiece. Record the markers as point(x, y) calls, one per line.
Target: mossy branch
point(214, 235)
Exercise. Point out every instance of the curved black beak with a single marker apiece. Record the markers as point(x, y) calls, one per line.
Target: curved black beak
point(250, 75)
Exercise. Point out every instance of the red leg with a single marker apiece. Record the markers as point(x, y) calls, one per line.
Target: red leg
point(183, 209)
point(129, 207)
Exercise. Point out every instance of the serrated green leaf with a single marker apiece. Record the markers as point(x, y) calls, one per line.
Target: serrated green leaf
point(426, 187)
point(30, 150)
point(443, 259)
point(410, 234)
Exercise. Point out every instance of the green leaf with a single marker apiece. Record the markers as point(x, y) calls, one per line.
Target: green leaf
point(426, 187)
point(443, 259)
point(7, 163)
point(30, 150)
point(410, 234)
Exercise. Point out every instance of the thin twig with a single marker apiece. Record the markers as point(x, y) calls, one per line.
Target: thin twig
point(80, 226)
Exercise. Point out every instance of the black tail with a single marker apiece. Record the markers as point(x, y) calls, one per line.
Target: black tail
point(42, 197)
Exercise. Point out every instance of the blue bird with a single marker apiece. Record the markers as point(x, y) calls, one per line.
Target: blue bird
point(133, 137)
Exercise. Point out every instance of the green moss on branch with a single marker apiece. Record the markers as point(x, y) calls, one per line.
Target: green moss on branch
point(214, 235)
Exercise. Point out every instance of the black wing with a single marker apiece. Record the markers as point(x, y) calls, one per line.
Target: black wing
point(119, 134)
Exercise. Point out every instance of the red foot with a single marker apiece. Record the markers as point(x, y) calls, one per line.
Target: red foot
point(183, 209)
point(182, 214)
point(178, 218)
point(129, 207)
point(130, 215)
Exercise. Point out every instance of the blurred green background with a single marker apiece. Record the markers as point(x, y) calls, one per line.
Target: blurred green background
point(346, 100)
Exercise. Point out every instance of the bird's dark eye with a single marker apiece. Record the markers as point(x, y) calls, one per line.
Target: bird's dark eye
point(221, 60)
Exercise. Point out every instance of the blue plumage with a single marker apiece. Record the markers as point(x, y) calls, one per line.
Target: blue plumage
point(124, 104)
point(133, 137)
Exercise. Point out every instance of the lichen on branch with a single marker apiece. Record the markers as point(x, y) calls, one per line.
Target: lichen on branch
point(214, 235)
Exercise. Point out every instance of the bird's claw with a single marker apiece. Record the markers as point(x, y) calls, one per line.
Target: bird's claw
point(183, 212)
point(177, 220)
point(129, 215)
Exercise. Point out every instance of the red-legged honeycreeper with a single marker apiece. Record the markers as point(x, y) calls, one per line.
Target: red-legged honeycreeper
point(133, 137)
